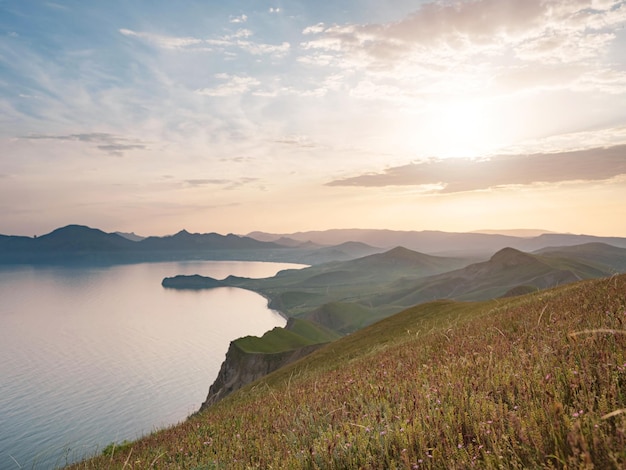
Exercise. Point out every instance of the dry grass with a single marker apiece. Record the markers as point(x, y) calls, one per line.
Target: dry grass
point(537, 381)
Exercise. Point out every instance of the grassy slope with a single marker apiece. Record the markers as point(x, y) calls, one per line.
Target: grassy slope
point(526, 382)
point(299, 333)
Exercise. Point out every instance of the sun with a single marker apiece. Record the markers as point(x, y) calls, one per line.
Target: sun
point(461, 129)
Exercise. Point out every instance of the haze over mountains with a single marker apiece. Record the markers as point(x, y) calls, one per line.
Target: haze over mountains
point(444, 243)
point(77, 243)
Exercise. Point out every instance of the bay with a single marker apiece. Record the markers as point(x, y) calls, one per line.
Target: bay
point(95, 355)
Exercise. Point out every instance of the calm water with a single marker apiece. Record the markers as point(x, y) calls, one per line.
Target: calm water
point(89, 356)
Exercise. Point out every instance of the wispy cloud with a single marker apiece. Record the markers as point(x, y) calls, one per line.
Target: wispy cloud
point(457, 175)
point(227, 184)
point(239, 19)
point(108, 143)
point(239, 40)
point(166, 42)
point(234, 85)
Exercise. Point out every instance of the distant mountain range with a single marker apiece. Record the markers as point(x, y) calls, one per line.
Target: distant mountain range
point(442, 243)
point(77, 243)
point(81, 244)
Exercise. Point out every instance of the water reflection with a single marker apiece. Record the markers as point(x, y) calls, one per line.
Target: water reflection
point(102, 354)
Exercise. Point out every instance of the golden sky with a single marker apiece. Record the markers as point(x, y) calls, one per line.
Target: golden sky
point(153, 116)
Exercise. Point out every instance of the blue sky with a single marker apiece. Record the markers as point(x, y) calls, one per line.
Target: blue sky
point(153, 116)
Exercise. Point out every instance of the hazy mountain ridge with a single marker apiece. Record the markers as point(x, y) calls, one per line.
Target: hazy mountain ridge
point(81, 244)
point(443, 243)
point(77, 243)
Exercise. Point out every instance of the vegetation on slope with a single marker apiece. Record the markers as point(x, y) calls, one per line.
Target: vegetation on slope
point(297, 334)
point(537, 381)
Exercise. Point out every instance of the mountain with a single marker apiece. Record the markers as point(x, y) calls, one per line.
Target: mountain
point(185, 241)
point(443, 243)
point(554, 239)
point(592, 253)
point(132, 236)
point(506, 270)
point(81, 244)
point(291, 243)
point(521, 232)
point(342, 252)
point(73, 238)
point(73, 243)
point(296, 292)
point(345, 296)
point(526, 382)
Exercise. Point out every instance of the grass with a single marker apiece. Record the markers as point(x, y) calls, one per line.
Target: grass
point(536, 381)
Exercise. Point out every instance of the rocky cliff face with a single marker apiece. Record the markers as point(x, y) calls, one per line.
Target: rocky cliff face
point(241, 368)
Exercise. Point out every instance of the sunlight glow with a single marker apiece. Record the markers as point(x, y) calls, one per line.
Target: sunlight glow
point(462, 129)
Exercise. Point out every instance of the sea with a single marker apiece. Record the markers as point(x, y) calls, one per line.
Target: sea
point(90, 356)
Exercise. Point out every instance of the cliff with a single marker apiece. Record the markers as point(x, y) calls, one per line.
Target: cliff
point(241, 368)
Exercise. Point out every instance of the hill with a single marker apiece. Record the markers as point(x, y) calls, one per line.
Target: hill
point(508, 270)
point(537, 381)
point(297, 292)
point(592, 253)
point(345, 296)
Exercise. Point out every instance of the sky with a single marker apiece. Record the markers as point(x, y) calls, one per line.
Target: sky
point(151, 116)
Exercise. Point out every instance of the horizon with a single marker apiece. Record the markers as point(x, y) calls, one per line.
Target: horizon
point(286, 117)
point(519, 232)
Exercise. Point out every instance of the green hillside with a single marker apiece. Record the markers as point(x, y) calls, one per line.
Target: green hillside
point(536, 381)
point(297, 334)
point(595, 254)
point(507, 270)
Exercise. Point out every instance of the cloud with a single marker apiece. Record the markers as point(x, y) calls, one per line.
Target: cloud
point(205, 182)
point(225, 183)
point(108, 143)
point(235, 41)
point(239, 19)
point(297, 141)
point(477, 38)
point(315, 29)
point(166, 42)
point(235, 85)
point(457, 175)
